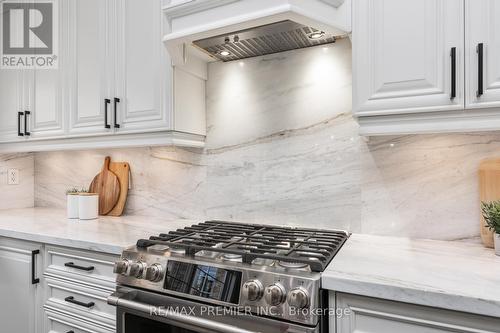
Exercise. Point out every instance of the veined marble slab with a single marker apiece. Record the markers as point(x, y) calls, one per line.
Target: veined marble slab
point(283, 147)
point(450, 275)
point(106, 234)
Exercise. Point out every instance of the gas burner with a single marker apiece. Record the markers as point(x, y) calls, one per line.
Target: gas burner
point(158, 248)
point(178, 250)
point(292, 265)
point(232, 257)
point(263, 262)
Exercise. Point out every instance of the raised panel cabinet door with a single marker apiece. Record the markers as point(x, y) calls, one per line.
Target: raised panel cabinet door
point(11, 94)
point(142, 73)
point(89, 66)
point(407, 56)
point(371, 315)
point(20, 301)
point(482, 64)
point(45, 87)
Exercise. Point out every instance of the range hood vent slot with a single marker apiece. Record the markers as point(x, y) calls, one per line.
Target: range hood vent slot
point(267, 39)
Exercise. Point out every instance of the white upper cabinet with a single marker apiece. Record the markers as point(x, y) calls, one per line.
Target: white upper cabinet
point(142, 70)
point(482, 41)
point(407, 56)
point(114, 76)
point(31, 100)
point(89, 67)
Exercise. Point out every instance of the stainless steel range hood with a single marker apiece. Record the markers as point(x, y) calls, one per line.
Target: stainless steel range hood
point(202, 31)
point(270, 38)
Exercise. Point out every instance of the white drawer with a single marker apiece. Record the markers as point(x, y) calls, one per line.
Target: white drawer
point(83, 267)
point(80, 302)
point(56, 322)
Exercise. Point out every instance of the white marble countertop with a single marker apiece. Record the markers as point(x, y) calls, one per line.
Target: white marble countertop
point(451, 275)
point(106, 234)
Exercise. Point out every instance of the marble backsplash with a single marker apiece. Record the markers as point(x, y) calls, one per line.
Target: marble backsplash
point(282, 147)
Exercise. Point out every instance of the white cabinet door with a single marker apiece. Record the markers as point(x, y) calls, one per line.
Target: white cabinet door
point(402, 56)
point(21, 300)
point(482, 31)
point(369, 315)
point(89, 68)
point(11, 94)
point(44, 103)
point(44, 89)
point(142, 70)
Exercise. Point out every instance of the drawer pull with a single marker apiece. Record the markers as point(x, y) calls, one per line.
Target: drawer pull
point(82, 268)
point(71, 299)
point(70, 332)
point(34, 279)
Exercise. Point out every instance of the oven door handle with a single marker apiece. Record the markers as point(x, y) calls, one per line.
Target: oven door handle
point(117, 300)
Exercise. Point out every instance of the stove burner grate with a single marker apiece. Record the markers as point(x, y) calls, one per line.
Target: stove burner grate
point(289, 246)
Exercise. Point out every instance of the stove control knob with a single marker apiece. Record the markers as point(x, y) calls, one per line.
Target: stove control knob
point(154, 273)
point(274, 294)
point(253, 290)
point(121, 267)
point(298, 298)
point(137, 269)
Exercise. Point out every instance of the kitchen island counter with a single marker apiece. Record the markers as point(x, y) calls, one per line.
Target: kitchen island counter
point(461, 276)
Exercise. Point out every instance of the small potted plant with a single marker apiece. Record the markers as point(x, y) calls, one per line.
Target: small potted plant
point(491, 214)
point(72, 202)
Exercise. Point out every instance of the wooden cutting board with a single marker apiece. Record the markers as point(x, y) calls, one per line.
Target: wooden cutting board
point(107, 185)
point(122, 171)
point(489, 190)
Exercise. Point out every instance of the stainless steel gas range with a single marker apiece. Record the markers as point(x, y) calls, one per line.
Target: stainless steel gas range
point(226, 277)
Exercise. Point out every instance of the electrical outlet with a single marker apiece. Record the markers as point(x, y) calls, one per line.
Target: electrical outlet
point(13, 177)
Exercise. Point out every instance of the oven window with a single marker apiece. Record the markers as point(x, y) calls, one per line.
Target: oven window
point(136, 324)
point(204, 281)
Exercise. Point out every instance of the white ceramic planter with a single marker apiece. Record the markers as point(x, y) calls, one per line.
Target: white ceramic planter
point(497, 244)
point(88, 206)
point(72, 208)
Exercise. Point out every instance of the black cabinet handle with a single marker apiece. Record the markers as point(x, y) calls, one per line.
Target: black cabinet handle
point(19, 115)
point(26, 114)
point(453, 56)
point(82, 268)
point(34, 279)
point(70, 332)
point(71, 299)
point(479, 51)
point(117, 100)
point(106, 103)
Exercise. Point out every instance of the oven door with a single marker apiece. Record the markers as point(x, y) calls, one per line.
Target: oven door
point(145, 312)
